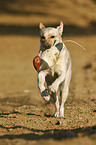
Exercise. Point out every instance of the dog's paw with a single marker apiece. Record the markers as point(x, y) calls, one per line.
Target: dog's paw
point(56, 114)
point(62, 113)
point(61, 116)
point(46, 98)
point(53, 87)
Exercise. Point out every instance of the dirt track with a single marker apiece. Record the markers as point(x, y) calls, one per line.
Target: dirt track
point(24, 117)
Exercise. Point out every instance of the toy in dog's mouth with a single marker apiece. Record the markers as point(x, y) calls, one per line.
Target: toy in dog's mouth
point(40, 64)
point(36, 62)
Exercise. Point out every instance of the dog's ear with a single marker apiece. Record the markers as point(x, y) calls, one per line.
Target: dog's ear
point(60, 28)
point(41, 26)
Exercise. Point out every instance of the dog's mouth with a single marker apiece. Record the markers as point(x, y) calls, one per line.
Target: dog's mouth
point(47, 46)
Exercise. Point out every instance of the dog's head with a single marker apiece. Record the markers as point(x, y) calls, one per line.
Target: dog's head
point(48, 36)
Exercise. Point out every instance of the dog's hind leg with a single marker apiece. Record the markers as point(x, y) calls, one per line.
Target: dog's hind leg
point(56, 99)
point(63, 94)
point(56, 107)
point(64, 89)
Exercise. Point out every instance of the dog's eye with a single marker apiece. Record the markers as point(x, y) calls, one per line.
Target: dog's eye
point(52, 37)
point(42, 37)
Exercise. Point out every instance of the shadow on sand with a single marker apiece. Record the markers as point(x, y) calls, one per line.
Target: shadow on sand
point(50, 134)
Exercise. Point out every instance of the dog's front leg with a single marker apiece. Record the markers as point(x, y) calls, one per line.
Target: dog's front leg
point(41, 80)
point(57, 82)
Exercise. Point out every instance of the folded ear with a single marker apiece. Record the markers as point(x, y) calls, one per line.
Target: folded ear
point(60, 28)
point(41, 26)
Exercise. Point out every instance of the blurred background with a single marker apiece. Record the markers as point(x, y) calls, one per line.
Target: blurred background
point(21, 17)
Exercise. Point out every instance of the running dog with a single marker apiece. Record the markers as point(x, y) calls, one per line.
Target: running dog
point(53, 65)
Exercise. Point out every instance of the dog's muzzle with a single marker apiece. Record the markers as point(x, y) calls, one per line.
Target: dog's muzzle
point(47, 46)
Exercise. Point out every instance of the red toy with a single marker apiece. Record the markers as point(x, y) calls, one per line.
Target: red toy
point(36, 62)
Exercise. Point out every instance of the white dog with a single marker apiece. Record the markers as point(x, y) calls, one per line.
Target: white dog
point(53, 65)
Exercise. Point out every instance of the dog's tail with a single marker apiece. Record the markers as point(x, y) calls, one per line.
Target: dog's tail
point(75, 43)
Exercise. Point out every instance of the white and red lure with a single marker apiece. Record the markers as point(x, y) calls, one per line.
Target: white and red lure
point(36, 62)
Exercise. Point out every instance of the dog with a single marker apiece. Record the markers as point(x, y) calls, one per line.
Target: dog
point(53, 65)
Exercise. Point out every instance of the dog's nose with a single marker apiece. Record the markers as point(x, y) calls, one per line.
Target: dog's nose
point(36, 62)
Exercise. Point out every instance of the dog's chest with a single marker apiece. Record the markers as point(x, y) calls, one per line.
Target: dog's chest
point(50, 56)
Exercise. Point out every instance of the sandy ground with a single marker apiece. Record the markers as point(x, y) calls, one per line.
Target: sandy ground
point(24, 116)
